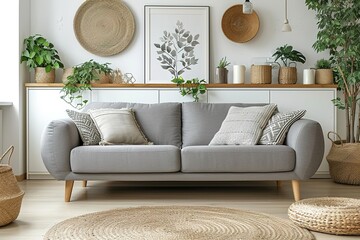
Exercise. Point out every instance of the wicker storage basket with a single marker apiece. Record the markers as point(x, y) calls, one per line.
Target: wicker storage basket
point(10, 193)
point(261, 74)
point(339, 216)
point(344, 161)
point(287, 75)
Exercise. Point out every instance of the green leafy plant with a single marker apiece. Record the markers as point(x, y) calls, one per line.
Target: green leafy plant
point(39, 52)
point(339, 33)
point(176, 50)
point(223, 63)
point(323, 64)
point(287, 54)
point(193, 87)
point(83, 75)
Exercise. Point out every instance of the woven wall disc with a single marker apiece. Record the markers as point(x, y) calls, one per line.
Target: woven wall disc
point(104, 27)
point(240, 27)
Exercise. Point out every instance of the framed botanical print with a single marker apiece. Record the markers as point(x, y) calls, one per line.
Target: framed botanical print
point(176, 43)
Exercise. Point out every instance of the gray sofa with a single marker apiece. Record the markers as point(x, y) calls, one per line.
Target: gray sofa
point(181, 133)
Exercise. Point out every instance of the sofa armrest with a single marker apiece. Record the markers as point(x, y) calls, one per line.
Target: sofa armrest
point(57, 141)
point(306, 138)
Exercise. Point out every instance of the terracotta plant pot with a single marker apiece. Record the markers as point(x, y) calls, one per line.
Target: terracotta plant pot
point(221, 75)
point(41, 76)
point(324, 76)
point(287, 75)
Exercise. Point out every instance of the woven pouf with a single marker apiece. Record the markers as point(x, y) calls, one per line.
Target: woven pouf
point(340, 216)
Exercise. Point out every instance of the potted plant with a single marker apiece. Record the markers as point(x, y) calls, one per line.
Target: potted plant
point(339, 31)
point(41, 55)
point(288, 56)
point(324, 72)
point(193, 87)
point(83, 75)
point(221, 71)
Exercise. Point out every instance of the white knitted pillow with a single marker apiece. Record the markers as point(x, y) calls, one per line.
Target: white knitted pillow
point(243, 125)
point(118, 126)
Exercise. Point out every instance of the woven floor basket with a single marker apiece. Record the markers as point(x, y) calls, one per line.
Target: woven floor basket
point(10, 193)
point(344, 161)
point(340, 216)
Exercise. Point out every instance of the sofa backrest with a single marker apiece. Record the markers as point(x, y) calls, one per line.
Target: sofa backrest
point(161, 122)
point(202, 120)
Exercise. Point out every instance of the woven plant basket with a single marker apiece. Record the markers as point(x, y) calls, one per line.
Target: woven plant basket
point(10, 193)
point(287, 75)
point(261, 74)
point(344, 161)
point(41, 76)
point(333, 215)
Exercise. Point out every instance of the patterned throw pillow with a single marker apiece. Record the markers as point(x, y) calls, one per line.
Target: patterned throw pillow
point(86, 126)
point(243, 125)
point(277, 127)
point(118, 126)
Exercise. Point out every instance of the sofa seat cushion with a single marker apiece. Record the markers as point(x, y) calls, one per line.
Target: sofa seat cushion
point(237, 159)
point(125, 159)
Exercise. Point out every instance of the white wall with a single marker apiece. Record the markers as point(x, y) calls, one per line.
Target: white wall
point(57, 25)
point(11, 84)
point(54, 20)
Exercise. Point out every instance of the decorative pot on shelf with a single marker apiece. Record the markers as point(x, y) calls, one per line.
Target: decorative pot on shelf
point(67, 72)
point(41, 76)
point(261, 74)
point(287, 75)
point(103, 79)
point(221, 75)
point(324, 76)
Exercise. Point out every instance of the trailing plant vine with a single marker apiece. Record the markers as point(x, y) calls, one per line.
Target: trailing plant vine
point(83, 75)
point(193, 87)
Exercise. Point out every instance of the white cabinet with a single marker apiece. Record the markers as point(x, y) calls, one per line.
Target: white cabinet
point(238, 96)
point(172, 95)
point(318, 106)
point(44, 104)
point(125, 95)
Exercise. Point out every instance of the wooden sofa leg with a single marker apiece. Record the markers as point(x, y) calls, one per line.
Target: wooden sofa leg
point(68, 189)
point(84, 183)
point(278, 184)
point(296, 189)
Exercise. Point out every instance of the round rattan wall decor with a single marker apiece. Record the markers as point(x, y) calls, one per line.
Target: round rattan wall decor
point(240, 27)
point(104, 27)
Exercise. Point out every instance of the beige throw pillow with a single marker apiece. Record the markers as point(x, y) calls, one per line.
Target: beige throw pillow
point(118, 126)
point(243, 125)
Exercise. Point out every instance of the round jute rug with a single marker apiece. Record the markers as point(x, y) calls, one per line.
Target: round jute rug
point(177, 222)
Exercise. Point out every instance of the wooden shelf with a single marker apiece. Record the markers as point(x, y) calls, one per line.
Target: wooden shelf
point(4, 104)
point(174, 86)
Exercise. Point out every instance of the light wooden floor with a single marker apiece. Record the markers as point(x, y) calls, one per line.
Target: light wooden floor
point(43, 204)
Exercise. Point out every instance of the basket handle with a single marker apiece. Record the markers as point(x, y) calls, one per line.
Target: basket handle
point(10, 150)
point(337, 135)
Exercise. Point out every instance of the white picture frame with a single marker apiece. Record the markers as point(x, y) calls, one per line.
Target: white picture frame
point(195, 20)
